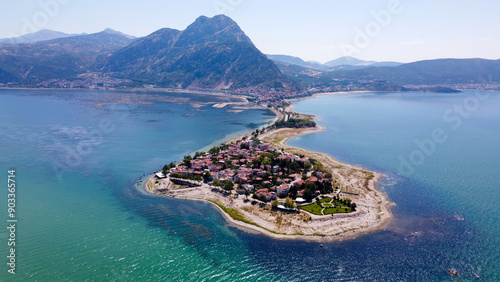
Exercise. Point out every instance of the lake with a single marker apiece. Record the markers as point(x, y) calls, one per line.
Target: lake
point(82, 215)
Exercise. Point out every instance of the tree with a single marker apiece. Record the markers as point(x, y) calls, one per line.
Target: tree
point(311, 186)
point(318, 166)
point(214, 150)
point(247, 193)
point(262, 198)
point(187, 160)
point(308, 195)
point(206, 176)
point(294, 123)
point(289, 203)
point(353, 206)
point(166, 169)
point(227, 185)
point(274, 204)
point(293, 191)
point(307, 166)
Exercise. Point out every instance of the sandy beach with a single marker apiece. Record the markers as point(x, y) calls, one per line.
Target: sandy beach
point(372, 214)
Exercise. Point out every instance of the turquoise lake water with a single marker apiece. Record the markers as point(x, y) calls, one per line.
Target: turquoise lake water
point(81, 217)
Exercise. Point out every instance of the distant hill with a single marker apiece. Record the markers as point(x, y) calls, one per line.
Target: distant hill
point(61, 58)
point(431, 75)
point(351, 61)
point(210, 53)
point(297, 61)
point(429, 72)
point(41, 35)
point(288, 64)
point(112, 31)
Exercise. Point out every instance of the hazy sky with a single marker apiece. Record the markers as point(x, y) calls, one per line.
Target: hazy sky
point(319, 30)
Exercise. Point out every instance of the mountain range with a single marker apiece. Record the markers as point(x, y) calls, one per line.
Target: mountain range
point(41, 35)
point(62, 58)
point(440, 75)
point(214, 54)
point(342, 63)
point(211, 53)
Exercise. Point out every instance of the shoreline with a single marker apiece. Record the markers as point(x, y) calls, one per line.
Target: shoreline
point(235, 103)
point(331, 93)
point(373, 211)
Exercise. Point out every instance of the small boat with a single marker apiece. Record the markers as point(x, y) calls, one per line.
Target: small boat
point(453, 272)
point(458, 217)
point(477, 276)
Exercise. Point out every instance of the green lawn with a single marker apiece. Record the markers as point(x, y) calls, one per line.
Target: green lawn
point(329, 208)
point(313, 208)
point(336, 210)
point(339, 204)
point(326, 200)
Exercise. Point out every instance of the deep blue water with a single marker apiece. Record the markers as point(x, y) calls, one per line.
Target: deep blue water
point(78, 157)
point(456, 173)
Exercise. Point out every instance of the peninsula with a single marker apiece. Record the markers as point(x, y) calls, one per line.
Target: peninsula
point(260, 184)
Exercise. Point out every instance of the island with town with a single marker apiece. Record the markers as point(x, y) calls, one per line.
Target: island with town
point(260, 184)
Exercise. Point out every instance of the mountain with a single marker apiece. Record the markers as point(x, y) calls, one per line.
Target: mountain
point(287, 64)
point(138, 56)
point(112, 31)
point(210, 53)
point(429, 72)
point(441, 75)
point(386, 64)
point(41, 35)
point(297, 61)
point(351, 61)
point(61, 58)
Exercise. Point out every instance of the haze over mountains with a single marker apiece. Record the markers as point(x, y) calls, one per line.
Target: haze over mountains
point(41, 35)
point(341, 63)
point(215, 54)
point(58, 59)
